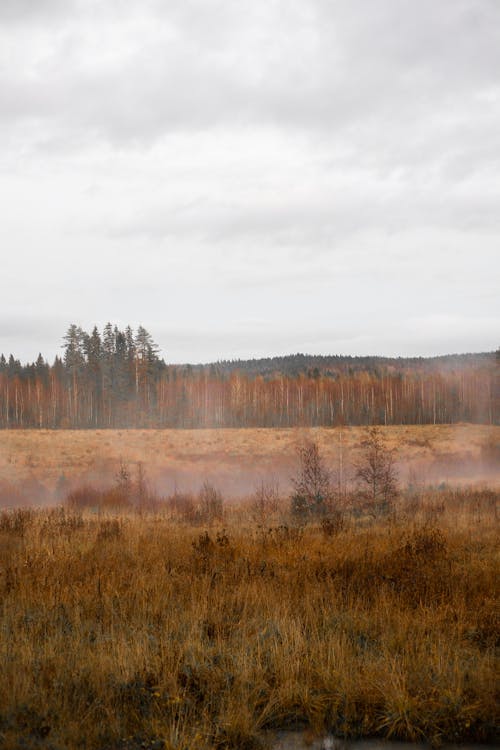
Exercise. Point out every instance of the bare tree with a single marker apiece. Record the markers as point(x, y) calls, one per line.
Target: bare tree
point(265, 501)
point(313, 494)
point(375, 472)
point(210, 502)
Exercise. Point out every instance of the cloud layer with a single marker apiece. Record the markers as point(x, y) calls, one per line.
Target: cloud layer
point(252, 178)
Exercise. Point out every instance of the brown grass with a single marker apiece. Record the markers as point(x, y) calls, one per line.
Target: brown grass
point(133, 631)
point(33, 461)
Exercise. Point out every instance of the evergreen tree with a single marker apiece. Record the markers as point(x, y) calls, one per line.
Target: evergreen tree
point(146, 349)
point(74, 347)
point(107, 369)
point(42, 369)
point(129, 338)
point(14, 367)
point(121, 366)
point(94, 374)
point(145, 361)
point(74, 362)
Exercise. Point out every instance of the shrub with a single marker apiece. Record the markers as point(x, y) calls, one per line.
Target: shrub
point(333, 524)
point(210, 503)
point(17, 521)
point(183, 504)
point(109, 529)
point(264, 502)
point(84, 497)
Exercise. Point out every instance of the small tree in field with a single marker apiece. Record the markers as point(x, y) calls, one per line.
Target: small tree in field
point(265, 501)
point(211, 504)
point(375, 472)
point(312, 495)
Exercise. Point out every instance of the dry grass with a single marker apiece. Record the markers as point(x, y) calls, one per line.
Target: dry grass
point(142, 631)
point(236, 460)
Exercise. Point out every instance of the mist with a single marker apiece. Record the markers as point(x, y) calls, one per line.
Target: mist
point(41, 468)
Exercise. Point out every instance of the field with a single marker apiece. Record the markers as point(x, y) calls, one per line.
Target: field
point(142, 631)
point(235, 460)
point(174, 625)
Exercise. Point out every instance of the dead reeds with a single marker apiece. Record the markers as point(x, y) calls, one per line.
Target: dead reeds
point(144, 630)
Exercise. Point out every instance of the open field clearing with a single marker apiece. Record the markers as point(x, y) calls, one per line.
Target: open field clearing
point(236, 459)
point(142, 631)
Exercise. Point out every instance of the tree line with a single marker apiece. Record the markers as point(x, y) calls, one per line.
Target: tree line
point(116, 379)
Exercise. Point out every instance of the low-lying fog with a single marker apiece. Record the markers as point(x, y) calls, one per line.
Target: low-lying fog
point(40, 467)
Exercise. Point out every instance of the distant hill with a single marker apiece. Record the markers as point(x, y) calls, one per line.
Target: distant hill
point(333, 365)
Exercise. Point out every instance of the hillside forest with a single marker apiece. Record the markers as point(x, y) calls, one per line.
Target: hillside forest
point(116, 379)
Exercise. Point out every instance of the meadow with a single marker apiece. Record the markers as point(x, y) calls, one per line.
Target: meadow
point(153, 630)
point(33, 463)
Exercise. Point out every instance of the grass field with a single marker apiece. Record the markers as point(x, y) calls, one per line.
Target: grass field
point(235, 460)
point(142, 631)
point(179, 628)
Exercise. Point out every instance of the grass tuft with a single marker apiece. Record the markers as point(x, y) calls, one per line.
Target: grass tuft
point(132, 630)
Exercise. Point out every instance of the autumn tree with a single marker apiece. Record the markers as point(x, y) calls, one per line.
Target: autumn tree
point(375, 472)
point(116, 379)
point(265, 501)
point(312, 489)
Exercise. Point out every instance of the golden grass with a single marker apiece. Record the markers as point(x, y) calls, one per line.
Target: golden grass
point(141, 631)
point(236, 459)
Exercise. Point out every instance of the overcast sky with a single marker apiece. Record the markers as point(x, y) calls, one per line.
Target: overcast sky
point(251, 177)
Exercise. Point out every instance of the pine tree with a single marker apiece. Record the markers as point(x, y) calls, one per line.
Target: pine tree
point(74, 348)
point(74, 362)
point(94, 362)
point(107, 370)
point(145, 360)
point(42, 370)
point(121, 367)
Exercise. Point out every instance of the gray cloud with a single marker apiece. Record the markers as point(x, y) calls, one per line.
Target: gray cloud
point(33, 11)
point(237, 155)
point(320, 65)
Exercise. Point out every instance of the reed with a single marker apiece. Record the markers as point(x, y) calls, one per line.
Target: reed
point(145, 630)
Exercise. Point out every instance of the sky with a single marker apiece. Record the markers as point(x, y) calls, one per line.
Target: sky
point(251, 179)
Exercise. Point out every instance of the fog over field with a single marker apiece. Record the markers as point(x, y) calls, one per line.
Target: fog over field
point(251, 179)
point(40, 467)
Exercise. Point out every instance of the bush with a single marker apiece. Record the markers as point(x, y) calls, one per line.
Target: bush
point(333, 524)
point(264, 502)
point(84, 497)
point(210, 503)
point(183, 505)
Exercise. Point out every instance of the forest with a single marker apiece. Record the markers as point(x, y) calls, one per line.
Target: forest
point(116, 379)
